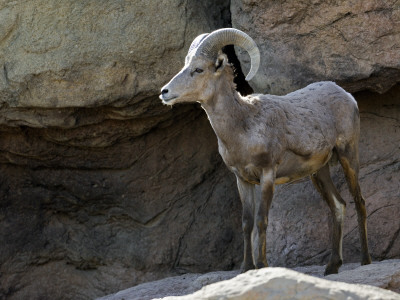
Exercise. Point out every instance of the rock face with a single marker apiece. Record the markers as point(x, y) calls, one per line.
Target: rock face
point(274, 283)
point(98, 180)
point(57, 55)
point(307, 41)
point(102, 187)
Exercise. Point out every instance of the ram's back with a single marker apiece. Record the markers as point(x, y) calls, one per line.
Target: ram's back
point(316, 117)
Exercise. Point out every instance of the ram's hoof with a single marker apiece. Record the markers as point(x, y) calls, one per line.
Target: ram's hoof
point(246, 267)
point(261, 265)
point(331, 269)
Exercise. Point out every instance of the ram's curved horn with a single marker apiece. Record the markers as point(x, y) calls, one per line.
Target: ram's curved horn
point(194, 45)
point(197, 41)
point(213, 42)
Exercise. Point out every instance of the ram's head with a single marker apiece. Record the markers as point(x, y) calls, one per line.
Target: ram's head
point(205, 63)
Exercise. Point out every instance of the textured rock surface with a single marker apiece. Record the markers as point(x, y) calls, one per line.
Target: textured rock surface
point(356, 43)
point(98, 180)
point(280, 283)
point(94, 53)
point(177, 286)
point(114, 211)
point(385, 274)
point(102, 187)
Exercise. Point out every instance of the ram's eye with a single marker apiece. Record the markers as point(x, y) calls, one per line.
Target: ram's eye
point(197, 70)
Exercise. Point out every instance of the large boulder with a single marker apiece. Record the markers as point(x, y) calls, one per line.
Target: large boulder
point(353, 42)
point(95, 53)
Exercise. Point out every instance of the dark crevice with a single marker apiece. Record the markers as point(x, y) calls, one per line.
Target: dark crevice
point(5, 73)
point(242, 86)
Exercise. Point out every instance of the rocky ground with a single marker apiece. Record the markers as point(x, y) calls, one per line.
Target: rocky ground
point(276, 283)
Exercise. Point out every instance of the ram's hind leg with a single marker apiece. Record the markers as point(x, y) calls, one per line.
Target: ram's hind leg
point(348, 158)
point(323, 183)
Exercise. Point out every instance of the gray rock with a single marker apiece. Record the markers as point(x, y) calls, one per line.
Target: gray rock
point(97, 178)
point(275, 283)
point(354, 43)
point(178, 285)
point(58, 55)
point(385, 274)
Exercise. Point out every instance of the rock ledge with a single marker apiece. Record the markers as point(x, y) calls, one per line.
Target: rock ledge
point(354, 282)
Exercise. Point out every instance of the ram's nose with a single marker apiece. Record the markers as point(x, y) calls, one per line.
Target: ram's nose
point(164, 93)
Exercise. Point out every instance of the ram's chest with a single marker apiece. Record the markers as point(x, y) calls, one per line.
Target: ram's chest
point(246, 164)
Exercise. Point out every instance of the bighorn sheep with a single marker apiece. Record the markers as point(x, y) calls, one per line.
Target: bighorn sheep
point(266, 140)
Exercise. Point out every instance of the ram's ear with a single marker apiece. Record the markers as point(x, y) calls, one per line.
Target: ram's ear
point(220, 63)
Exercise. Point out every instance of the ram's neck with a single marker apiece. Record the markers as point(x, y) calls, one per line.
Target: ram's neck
point(227, 112)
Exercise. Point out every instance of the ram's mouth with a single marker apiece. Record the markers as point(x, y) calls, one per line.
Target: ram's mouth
point(167, 100)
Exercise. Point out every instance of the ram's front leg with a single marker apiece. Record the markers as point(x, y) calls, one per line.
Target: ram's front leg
point(262, 205)
point(246, 192)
